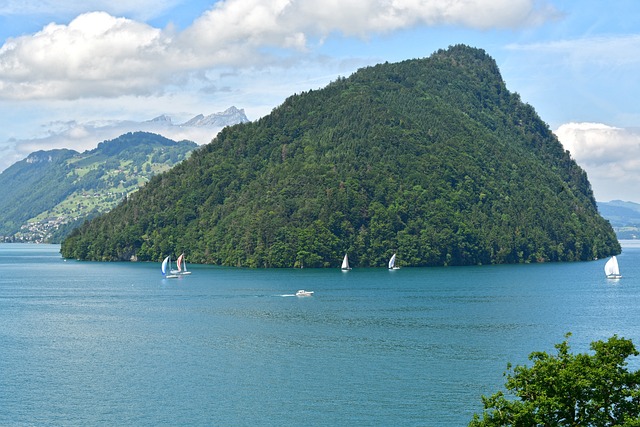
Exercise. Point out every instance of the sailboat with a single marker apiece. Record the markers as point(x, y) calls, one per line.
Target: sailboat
point(392, 263)
point(345, 263)
point(166, 269)
point(611, 269)
point(180, 262)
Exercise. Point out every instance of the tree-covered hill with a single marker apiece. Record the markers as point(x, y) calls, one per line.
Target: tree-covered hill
point(431, 158)
point(50, 192)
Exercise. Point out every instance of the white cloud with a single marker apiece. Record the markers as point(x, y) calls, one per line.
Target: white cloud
point(292, 23)
point(609, 155)
point(97, 54)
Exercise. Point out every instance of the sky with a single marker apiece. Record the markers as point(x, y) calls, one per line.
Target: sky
point(75, 73)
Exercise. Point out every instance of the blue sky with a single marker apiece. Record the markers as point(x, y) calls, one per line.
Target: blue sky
point(75, 73)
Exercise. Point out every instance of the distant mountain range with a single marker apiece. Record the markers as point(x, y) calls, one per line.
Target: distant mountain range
point(50, 192)
point(623, 216)
point(230, 116)
point(81, 136)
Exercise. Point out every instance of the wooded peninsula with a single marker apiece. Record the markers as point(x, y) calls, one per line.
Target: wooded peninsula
point(431, 158)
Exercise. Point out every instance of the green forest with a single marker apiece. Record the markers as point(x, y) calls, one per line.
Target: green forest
point(431, 158)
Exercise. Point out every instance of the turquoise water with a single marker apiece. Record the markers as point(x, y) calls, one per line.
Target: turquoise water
point(115, 344)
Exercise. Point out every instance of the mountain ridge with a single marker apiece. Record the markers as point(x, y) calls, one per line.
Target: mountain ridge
point(72, 134)
point(230, 116)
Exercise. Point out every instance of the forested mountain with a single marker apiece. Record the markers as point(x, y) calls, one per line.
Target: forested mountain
point(50, 192)
point(431, 158)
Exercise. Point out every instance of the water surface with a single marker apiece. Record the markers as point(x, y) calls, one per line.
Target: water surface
point(88, 343)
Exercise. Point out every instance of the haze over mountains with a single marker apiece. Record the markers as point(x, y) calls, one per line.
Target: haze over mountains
point(81, 136)
point(623, 216)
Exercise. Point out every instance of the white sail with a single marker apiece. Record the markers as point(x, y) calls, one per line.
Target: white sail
point(611, 268)
point(392, 262)
point(164, 266)
point(182, 266)
point(345, 263)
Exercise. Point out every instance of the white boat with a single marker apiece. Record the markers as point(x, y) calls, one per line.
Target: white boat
point(182, 267)
point(303, 293)
point(611, 269)
point(392, 263)
point(166, 269)
point(345, 263)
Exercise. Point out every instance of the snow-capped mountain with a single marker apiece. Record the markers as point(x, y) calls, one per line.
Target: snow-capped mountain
point(230, 116)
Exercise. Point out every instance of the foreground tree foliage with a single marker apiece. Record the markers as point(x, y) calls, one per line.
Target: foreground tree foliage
point(431, 158)
point(569, 390)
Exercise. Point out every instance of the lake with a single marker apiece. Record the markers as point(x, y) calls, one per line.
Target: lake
point(87, 343)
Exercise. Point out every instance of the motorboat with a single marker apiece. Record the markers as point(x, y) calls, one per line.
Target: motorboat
point(303, 293)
